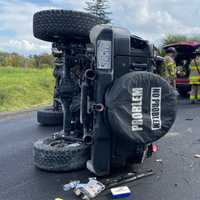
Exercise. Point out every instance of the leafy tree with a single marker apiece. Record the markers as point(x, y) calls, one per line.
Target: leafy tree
point(170, 38)
point(43, 59)
point(173, 38)
point(99, 8)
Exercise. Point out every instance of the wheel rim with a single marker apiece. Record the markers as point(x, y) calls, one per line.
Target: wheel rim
point(61, 143)
point(58, 143)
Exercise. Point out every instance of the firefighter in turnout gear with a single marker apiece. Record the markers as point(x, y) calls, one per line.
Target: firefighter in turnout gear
point(194, 81)
point(168, 71)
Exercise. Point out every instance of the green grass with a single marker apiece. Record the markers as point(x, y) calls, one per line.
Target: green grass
point(25, 88)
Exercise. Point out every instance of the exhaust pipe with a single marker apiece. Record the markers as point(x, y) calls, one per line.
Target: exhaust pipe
point(90, 75)
point(98, 107)
point(88, 139)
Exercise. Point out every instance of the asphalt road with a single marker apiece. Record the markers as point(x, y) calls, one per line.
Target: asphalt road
point(177, 176)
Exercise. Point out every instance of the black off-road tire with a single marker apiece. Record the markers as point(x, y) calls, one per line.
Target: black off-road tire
point(50, 117)
point(157, 107)
point(52, 154)
point(49, 25)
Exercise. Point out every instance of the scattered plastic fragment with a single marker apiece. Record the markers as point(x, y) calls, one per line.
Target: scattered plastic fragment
point(120, 192)
point(154, 148)
point(175, 185)
point(159, 160)
point(86, 191)
point(89, 190)
point(197, 155)
point(189, 119)
point(58, 199)
point(71, 185)
point(172, 134)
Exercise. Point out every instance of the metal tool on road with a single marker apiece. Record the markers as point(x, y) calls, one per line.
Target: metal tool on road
point(130, 177)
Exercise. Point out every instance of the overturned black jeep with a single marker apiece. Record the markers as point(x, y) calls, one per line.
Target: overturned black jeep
point(114, 106)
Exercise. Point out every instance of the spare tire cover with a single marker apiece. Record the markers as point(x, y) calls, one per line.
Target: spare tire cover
point(141, 106)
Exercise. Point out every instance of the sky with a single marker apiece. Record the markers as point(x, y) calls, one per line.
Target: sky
point(150, 19)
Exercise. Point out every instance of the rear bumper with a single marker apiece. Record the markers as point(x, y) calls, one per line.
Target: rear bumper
point(182, 81)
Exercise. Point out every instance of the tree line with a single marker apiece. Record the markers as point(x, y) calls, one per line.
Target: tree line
point(47, 60)
point(34, 61)
point(173, 38)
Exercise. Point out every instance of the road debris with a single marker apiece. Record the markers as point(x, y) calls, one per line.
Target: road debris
point(58, 199)
point(172, 134)
point(86, 191)
point(154, 148)
point(189, 119)
point(94, 187)
point(159, 160)
point(197, 155)
point(120, 192)
point(130, 177)
point(89, 190)
point(71, 185)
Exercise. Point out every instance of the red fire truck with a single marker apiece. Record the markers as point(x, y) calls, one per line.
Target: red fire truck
point(186, 53)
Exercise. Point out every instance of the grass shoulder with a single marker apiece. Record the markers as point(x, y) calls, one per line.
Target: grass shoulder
point(24, 88)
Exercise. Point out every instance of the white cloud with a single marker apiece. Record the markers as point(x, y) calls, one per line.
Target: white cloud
point(16, 17)
point(151, 19)
point(25, 47)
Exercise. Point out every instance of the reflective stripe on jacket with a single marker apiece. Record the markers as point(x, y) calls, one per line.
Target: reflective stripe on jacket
point(195, 92)
point(194, 75)
point(193, 97)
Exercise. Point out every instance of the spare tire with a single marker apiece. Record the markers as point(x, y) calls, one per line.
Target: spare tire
point(49, 25)
point(59, 155)
point(141, 106)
